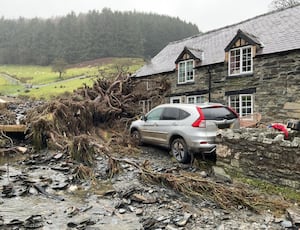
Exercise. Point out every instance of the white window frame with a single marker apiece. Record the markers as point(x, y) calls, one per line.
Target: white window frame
point(194, 98)
point(146, 105)
point(241, 106)
point(150, 85)
point(185, 78)
point(172, 99)
point(243, 58)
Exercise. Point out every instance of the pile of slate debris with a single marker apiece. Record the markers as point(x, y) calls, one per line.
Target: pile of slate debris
point(79, 147)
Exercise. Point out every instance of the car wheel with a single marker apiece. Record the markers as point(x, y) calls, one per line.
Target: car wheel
point(136, 137)
point(180, 151)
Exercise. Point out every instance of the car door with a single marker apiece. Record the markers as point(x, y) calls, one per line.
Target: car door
point(166, 124)
point(149, 127)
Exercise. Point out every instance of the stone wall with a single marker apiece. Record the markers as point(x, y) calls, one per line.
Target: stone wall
point(261, 153)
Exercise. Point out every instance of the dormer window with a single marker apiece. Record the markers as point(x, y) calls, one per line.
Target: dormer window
point(186, 63)
point(240, 61)
point(240, 53)
point(186, 71)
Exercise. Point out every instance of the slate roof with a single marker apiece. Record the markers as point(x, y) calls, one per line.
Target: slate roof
point(277, 31)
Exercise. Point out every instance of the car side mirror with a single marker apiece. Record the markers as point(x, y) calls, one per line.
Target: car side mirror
point(143, 118)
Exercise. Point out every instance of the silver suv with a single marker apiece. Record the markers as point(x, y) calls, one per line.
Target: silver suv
point(184, 128)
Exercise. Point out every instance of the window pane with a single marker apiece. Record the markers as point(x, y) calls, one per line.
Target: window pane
point(155, 114)
point(189, 70)
point(186, 71)
point(191, 100)
point(234, 61)
point(218, 113)
point(247, 62)
point(246, 105)
point(170, 114)
point(181, 72)
point(199, 99)
point(175, 100)
point(240, 60)
point(183, 114)
point(234, 103)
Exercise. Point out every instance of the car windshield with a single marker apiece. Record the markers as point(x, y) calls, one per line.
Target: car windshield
point(218, 113)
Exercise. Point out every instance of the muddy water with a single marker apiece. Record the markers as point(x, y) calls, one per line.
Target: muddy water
point(80, 204)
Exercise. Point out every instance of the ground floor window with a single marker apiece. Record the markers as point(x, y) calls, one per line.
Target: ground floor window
point(175, 100)
point(242, 104)
point(196, 99)
point(146, 106)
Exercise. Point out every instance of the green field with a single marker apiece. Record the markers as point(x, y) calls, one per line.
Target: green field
point(41, 82)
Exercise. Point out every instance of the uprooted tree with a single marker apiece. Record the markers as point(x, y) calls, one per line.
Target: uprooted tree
point(109, 103)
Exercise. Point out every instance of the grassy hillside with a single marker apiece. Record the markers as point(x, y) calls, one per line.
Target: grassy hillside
point(40, 82)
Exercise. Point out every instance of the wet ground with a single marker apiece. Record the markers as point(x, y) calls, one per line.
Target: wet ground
point(38, 192)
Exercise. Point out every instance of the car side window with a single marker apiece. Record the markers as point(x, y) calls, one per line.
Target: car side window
point(170, 114)
point(155, 114)
point(174, 114)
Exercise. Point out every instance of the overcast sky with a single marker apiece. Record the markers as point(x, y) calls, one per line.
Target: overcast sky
point(206, 14)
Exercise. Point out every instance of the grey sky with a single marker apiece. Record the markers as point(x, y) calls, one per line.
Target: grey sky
point(206, 14)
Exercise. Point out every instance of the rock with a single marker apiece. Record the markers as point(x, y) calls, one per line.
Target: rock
point(221, 227)
point(170, 227)
point(203, 174)
point(184, 220)
point(294, 215)
point(220, 174)
point(33, 222)
point(122, 210)
point(131, 208)
point(80, 223)
point(21, 149)
point(73, 188)
point(58, 156)
point(286, 224)
point(138, 197)
point(142, 199)
point(148, 223)
point(261, 137)
point(278, 138)
point(72, 211)
point(15, 222)
point(139, 211)
point(60, 186)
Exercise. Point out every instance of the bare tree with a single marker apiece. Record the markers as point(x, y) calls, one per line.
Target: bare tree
point(282, 4)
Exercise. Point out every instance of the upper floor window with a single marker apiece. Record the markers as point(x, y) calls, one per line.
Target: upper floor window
point(186, 71)
point(240, 60)
point(152, 84)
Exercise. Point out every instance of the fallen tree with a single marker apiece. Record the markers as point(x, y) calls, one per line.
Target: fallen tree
point(108, 104)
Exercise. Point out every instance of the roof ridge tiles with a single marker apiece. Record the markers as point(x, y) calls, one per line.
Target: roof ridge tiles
point(233, 25)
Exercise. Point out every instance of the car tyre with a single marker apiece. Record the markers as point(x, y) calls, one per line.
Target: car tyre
point(136, 137)
point(180, 151)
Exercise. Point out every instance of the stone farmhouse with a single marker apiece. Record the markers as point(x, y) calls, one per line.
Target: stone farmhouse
point(252, 66)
